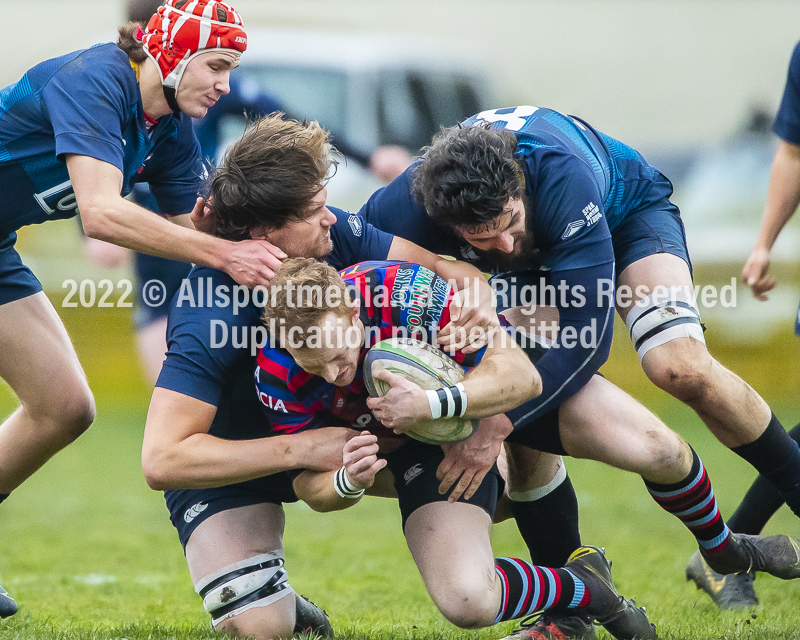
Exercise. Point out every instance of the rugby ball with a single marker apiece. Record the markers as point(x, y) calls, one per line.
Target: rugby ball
point(426, 366)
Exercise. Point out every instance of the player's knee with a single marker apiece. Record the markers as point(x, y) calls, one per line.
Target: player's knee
point(687, 379)
point(467, 607)
point(65, 418)
point(667, 453)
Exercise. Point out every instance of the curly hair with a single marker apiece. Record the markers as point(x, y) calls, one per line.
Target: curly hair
point(468, 176)
point(269, 177)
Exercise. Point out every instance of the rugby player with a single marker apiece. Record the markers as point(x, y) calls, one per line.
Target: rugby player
point(310, 377)
point(77, 132)
point(205, 439)
point(522, 188)
point(599, 422)
point(783, 195)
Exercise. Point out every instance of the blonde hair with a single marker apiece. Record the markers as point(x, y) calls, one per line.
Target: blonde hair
point(303, 292)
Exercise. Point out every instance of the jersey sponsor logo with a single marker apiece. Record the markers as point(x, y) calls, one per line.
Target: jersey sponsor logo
point(592, 213)
point(412, 473)
point(276, 404)
point(58, 198)
point(194, 511)
point(355, 224)
point(573, 228)
point(240, 40)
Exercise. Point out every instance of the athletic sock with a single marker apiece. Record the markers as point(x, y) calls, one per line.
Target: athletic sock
point(760, 502)
point(777, 458)
point(527, 589)
point(3, 496)
point(692, 501)
point(547, 519)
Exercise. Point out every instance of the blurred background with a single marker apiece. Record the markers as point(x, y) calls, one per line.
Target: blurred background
point(692, 84)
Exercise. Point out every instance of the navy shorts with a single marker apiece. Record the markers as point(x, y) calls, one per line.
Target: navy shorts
point(16, 280)
point(189, 507)
point(414, 469)
point(169, 272)
point(657, 229)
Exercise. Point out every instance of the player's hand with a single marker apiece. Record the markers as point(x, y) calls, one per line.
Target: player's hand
point(361, 462)
point(472, 318)
point(403, 406)
point(470, 460)
point(202, 218)
point(323, 447)
point(756, 274)
point(253, 262)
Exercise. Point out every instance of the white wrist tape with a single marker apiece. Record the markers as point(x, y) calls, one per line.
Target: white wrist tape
point(448, 402)
point(345, 487)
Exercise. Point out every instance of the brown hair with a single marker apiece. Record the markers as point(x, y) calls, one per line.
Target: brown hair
point(130, 44)
point(303, 292)
point(269, 177)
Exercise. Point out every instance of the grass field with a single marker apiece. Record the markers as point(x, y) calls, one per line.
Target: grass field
point(89, 552)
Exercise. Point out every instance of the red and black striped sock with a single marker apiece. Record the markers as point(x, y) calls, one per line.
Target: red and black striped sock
point(527, 588)
point(692, 501)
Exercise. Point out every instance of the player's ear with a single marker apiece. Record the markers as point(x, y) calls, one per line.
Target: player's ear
point(355, 310)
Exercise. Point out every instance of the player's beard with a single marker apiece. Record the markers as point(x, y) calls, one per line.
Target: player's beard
point(525, 255)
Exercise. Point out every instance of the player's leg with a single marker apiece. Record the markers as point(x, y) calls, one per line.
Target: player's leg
point(233, 541)
point(56, 406)
point(674, 356)
point(450, 545)
point(759, 504)
point(539, 488)
point(603, 423)
point(235, 559)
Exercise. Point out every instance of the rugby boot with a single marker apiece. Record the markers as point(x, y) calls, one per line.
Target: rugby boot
point(554, 625)
point(734, 591)
point(777, 555)
point(309, 618)
point(621, 617)
point(8, 606)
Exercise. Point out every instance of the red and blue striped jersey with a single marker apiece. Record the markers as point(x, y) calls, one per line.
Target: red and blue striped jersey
point(397, 298)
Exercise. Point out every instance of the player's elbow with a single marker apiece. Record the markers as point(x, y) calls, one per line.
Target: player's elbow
point(158, 471)
point(96, 217)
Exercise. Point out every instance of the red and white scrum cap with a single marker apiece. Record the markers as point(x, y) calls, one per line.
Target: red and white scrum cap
point(183, 29)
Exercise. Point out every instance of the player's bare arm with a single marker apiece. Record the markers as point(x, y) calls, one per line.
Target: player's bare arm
point(360, 466)
point(178, 452)
point(106, 215)
point(783, 197)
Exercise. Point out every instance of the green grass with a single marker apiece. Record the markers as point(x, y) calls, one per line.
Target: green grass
point(89, 552)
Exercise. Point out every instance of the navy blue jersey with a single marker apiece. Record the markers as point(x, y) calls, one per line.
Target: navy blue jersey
point(787, 122)
point(581, 186)
point(203, 365)
point(87, 103)
point(397, 299)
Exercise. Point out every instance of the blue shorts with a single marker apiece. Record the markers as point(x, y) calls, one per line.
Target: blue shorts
point(16, 280)
point(169, 272)
point(189, 507)
point(657, 229)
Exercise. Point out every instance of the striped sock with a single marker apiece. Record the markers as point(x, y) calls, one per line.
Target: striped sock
point(527, 589)
point(692, 501)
